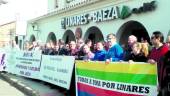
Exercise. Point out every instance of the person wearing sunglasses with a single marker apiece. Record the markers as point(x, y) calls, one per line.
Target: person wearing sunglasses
point(157, 53)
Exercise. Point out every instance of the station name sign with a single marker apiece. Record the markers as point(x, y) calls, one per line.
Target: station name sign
point(105, 14)
point(96, 16)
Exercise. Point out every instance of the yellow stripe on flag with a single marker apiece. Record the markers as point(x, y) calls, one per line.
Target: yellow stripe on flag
point(118, 67)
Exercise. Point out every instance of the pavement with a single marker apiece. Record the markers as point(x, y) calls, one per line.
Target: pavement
point(19, 85)
point(32, 87)
point(7, 89)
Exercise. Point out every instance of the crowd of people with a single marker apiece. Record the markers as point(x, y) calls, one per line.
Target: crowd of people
point(110, 51)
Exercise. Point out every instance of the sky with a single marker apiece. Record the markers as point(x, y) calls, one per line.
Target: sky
point(22, 9)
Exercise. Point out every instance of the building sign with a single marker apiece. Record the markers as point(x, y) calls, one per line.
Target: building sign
point(125, 12)
point(106, 14)
point(145, 8)
point(75, 20)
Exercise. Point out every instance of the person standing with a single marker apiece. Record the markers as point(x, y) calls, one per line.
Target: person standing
point(157, 53)
point(139, 53)
point(115, 51)
point(72, 49)
point(100, 52)
point(79, 46)
point(128, 49)
point(62, 48)
point(88, 54)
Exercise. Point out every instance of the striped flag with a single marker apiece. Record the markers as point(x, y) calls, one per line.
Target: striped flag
point(115, 79)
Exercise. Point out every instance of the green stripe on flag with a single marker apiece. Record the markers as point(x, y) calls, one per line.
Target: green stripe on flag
point(119, 77)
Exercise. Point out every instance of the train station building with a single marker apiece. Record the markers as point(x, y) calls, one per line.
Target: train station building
point(95, 19)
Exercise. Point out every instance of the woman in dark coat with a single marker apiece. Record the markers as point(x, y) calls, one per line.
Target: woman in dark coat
point(139, 53)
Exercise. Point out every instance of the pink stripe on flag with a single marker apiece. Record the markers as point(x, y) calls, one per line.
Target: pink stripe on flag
point(100, 92)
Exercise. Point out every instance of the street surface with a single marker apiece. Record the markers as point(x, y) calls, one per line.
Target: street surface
point(39, 86)
point(7, 90)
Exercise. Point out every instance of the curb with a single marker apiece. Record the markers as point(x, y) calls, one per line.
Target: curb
point(19, 85)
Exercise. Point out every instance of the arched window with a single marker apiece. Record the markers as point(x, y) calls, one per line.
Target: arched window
point(51, 38)
point(132, 28)
point(68, 36)
point(94, 34)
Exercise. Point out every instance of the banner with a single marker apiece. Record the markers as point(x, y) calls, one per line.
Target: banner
point(57, 70)
point(10, 60)
point(25, 63)
point(115, 79)
point(2, 60)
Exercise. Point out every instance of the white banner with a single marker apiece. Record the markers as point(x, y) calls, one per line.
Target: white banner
point(10, 60)
point(57, 70)
point(26, 63)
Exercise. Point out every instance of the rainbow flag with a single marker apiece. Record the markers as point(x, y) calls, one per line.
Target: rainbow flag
point(115, 79)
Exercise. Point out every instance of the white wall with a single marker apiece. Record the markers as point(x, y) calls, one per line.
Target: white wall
point(152, 21)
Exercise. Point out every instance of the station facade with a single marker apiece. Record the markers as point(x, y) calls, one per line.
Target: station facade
point(95, 19)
